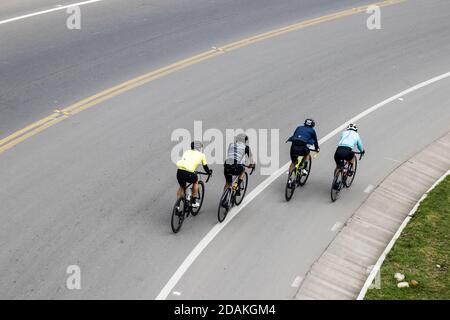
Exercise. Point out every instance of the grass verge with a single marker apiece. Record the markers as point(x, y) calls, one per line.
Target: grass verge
point(422, 253)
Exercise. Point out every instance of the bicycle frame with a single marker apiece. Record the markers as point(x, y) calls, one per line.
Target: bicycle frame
point(228, 198)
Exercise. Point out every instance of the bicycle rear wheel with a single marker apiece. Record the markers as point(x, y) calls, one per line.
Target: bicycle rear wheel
point(224, 205)
point(290, 185)
point(178, 215)
point(336, 186)
point(243, 189)
point(304, 178)
point(201, 195)
point(349, 180)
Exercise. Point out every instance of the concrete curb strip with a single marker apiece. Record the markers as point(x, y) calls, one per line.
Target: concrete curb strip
point(380, 261)
point(354, 257)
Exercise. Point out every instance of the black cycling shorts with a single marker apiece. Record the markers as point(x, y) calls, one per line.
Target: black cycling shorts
point(184, 177)
point(298, 150)
point(343, 153)
point(230, 170)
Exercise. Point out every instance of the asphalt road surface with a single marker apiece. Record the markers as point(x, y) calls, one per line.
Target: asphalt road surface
point(96, 190)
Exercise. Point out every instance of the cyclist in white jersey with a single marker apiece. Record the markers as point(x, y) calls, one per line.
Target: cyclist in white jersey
point(238, 153)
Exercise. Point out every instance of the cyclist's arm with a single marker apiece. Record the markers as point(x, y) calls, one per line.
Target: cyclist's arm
point(249, 154)
point(316, 141)
point(293, 136)
point(359, 145)
point(205, 164)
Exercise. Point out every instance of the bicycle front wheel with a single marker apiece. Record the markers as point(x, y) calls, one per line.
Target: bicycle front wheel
point(178, 215)
point(243, 190)
point(290, 185)
point(201, 195)
point(224, 205)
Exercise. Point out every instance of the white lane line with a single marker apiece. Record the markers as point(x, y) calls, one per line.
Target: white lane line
point(176, 293)
point(263, 185)
point(297, 281)
point(57, 8)
point(393, 160)
point(369, 189)
point(337, 226)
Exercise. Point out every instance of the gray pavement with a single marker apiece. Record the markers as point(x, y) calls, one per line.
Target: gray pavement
point(45, 66)
point(97, 189)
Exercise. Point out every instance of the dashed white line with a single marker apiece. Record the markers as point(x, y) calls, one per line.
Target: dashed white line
point(57, 8)
point(393, 160)
point(337, 226)
point(297, 281)
point(369, 189)
point(165, 291)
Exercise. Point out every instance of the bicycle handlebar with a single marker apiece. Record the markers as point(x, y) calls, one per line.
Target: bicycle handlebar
point(204, 174)
point(361, 154)
point(253, 168)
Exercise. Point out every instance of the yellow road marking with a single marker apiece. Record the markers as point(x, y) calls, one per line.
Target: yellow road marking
point(60, 115)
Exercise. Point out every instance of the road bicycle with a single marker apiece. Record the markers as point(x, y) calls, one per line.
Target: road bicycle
point(298, 176)
point(183, 206)
point(341, 177)
point(230, 195)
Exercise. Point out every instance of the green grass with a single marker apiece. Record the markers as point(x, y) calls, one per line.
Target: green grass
point(423, 244)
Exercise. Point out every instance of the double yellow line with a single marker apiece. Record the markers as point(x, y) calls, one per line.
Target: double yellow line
point(60, 115)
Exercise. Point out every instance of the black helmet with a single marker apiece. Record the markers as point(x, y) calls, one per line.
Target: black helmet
point(310, 123)
point(196, 145)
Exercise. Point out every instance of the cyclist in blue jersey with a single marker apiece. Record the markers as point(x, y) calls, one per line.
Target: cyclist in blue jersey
point(349, 140)
point(303, 136)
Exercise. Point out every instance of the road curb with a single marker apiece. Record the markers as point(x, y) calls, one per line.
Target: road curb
point(351, 261)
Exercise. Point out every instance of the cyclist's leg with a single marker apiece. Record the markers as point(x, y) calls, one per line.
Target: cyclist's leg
point(307, 157)
point(352, 161)
point(228, 176)
point(182, 183)
point(303, 153)
point(194, 186)
point(292, 166)
point(339, 160)
point(241, 172)
point(180, 192)
point(294, 158)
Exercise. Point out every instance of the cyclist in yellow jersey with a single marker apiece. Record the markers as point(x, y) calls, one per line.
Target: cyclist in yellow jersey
point(186, 170)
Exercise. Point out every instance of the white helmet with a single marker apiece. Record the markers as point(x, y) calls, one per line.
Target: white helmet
point(353, 127)
point(241, 137)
